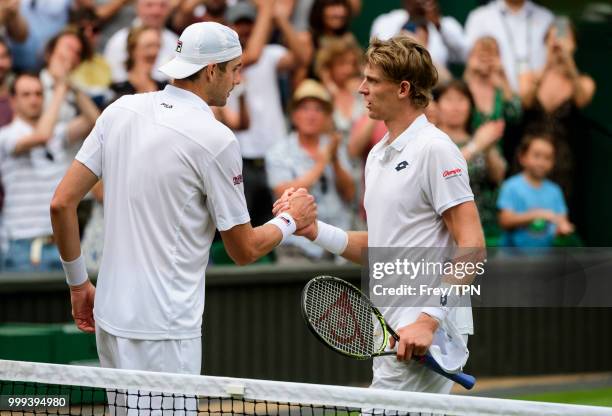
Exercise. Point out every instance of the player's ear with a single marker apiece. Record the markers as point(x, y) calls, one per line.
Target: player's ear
point(404, 89)
point(210, 71)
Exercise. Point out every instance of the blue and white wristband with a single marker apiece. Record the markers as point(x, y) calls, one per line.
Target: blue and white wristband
point(285, 223)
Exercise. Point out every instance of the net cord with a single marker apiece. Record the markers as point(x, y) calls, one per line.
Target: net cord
point(283, 392)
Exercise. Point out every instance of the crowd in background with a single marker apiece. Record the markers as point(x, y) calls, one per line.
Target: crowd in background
point(298, 115)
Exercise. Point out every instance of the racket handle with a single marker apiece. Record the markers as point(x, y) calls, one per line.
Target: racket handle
point(465, 380)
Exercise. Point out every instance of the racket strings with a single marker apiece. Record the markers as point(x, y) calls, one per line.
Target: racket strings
point(341, 316)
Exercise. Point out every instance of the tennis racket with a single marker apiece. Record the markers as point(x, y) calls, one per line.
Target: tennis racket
point(345, 320)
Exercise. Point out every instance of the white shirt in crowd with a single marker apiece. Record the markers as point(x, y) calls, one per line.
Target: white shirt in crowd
point(520, 35)
point(29, 180)
point(172, 174)
point(408, 186)
point(116, 54)
point(267, 122)
point(445, 45)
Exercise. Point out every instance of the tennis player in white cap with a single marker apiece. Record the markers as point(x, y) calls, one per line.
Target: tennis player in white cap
point(172, 174)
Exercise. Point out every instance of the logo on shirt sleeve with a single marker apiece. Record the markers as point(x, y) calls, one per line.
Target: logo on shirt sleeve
point(447, 174)
point(237, 179)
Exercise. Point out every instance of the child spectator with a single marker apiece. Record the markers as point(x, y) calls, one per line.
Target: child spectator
point(532, 208)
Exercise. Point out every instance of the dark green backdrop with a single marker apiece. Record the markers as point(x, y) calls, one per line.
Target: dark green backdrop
point(594, 57)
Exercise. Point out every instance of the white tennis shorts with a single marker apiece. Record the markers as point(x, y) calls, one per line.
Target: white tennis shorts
point(170, 356)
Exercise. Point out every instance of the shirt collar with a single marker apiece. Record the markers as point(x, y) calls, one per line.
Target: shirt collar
point(400, 142)
point(187, 96)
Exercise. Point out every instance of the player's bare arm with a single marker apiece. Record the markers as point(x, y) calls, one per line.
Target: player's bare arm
point(463, 223)
point(75, 185)
point(349, 245)
point(245, 244)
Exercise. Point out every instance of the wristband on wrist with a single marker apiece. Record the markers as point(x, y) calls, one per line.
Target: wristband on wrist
point(76, 271)
point(285, 223)
point(332, 239)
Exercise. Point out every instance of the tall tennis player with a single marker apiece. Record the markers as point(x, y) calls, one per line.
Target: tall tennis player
point(411, 200)
point(172, 175)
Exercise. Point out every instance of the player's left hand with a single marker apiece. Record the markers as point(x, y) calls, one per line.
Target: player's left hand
point(82, 299)
point(416, 338)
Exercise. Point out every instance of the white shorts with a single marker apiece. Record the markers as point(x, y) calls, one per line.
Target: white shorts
point(390, 374)
point(171, 356)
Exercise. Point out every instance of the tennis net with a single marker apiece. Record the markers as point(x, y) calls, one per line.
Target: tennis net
point(50, 389)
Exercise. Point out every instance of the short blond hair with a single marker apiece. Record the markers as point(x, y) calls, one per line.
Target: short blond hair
point(402, 59)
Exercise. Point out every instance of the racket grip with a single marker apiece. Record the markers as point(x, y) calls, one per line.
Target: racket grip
point(465, 380)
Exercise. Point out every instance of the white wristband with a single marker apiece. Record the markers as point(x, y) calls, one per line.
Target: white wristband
point(76, 272)
point(285, 223)
point(332, 239)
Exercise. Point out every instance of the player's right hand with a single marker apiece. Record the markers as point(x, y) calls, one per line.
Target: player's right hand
point(82, 300)
point(302, 208)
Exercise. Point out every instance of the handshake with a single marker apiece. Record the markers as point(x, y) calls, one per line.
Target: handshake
point(302, 207)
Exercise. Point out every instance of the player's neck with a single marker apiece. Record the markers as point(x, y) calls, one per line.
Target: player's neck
point(398, 124)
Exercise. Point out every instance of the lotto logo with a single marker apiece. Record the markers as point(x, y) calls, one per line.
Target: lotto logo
point(179, 46)
point(402, 165)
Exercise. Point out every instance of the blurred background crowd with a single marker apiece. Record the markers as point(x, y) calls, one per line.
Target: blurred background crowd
point(510, 95)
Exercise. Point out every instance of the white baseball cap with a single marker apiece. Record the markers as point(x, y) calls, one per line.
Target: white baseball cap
point(202, 44)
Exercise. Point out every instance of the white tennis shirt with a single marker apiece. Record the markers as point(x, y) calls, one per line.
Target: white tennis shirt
point(408, 185)
point(172, 173)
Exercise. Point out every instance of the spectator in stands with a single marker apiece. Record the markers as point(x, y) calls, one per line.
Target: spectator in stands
point(63, 54)
point(553, 98)
point(113, 15)
point(6, 63)
point(185, 13)
point(311, 158)
point(532, 208)
point(328, 19)
point(33, 161)
point(486, 165)
point(150, 13)
point(519, 27)
point(259, 78)
point(446, 41)
point(143, 45)
point(45, 19)
point(418, 31)
point(93, 75)
point(12, 22)
point(302, 9)
point(338, 66)
point(487, 81)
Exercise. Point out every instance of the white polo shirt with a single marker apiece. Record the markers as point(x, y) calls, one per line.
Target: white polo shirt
point(408, 185)
point(172, 174)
